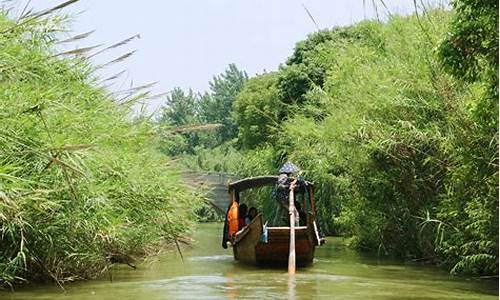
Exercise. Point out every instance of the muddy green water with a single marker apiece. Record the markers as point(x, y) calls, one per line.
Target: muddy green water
point(209, 272)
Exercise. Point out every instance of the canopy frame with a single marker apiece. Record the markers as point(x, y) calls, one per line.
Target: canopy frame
point(254, 182)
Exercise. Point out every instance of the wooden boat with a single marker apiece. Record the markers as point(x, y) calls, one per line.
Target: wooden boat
point(248, 245)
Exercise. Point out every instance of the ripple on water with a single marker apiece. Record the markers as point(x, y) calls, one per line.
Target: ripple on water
point(321, 277)
point(188, 280)
point(190, 287)
point(249, 285)
point(212, 258)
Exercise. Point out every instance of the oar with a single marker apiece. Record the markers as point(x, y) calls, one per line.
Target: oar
point(291, 211)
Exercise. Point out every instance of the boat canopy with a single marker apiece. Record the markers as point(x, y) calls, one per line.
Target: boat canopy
point(253, 182)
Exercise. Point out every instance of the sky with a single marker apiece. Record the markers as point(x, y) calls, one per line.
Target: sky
point(185, 43)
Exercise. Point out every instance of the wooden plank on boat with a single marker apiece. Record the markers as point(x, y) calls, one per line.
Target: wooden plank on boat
point(276, 251)
point(246, 240)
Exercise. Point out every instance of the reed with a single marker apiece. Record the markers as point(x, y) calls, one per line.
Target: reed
point(404, 155)
point(82, 184)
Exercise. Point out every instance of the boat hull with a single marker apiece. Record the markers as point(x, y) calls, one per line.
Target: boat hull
point(249, 248)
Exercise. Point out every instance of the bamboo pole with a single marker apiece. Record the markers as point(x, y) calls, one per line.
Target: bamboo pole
point(291, 212)
point(174, 236)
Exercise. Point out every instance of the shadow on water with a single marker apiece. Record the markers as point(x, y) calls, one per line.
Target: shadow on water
point(209, 272)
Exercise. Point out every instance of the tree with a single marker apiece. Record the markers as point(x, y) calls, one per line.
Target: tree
point(257, 110)
point(180, 108)
point(216, 106)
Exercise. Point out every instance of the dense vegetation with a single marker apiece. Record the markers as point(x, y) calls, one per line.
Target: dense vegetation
point(203, 120)
point(397, 123)
point(82, 184)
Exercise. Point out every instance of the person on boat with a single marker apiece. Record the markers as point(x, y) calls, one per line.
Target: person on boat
point(281, 192)
point(302, 214)
point(231, 224)
point(242, 216)
point(252, 213)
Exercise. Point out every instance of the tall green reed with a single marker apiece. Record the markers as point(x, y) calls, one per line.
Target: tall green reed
point(82, 182)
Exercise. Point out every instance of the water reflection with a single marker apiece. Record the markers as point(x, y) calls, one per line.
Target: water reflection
point(231, 291)
point(291, 286)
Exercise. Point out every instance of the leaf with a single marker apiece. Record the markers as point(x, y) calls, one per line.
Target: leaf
point(78, 51)
point(57, 7)
point(121, 43)
point(77, 37)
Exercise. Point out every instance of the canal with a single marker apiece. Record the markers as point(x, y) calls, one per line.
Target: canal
point(209, 272)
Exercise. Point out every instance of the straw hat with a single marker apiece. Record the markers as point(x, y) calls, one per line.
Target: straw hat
point(288, 168)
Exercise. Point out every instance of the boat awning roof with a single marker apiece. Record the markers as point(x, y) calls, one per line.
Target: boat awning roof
point(253, 182)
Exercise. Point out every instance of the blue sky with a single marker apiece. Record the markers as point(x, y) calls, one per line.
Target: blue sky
point(184, 43)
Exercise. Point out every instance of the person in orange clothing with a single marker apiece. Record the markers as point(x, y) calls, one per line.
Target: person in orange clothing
point(233, 220)
point(231, 224)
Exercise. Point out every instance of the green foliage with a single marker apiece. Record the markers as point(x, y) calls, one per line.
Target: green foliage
point(293, 82)
point(404, 156)
point(269, 99)
point(366, 33)
point(174, 144)
point(258, 111)
point(81, 182)
point(224, 158)
point(398, 132)
point(303, 48)
point(472, 42)
point(216, 107)
point(207, 213)
point(205, 119)
point(260, 161)
point(180, 108)
point(470, 53)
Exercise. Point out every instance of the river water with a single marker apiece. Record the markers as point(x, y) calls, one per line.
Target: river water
point(209, 272)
